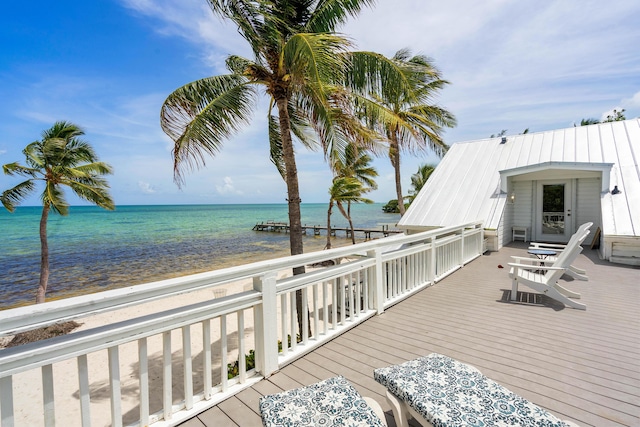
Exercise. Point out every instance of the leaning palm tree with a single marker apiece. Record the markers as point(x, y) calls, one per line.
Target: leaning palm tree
point(354, 162)
point(60, 159)
point(412, 122)
point(344, 189)
point(297, 62)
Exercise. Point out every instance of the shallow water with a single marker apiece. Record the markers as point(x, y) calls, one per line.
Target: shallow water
point(92, 249)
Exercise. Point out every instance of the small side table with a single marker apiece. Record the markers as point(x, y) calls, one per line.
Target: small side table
point(520, 233)
point(542, 254)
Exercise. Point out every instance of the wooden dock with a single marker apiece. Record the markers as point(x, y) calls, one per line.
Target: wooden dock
point(283, 227)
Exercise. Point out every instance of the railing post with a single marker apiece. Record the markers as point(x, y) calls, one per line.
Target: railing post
point(378, 281)
point(462, 259)
point(266, 324)
point(432, 261)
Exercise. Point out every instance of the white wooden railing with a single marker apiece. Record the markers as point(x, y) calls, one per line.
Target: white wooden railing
point(164, 365)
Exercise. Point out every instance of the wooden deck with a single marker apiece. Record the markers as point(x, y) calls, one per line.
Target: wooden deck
point(582, 366)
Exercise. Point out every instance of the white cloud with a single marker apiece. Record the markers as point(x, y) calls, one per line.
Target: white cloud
point(227, 187)
point(146, 187)
point(3, 152)
point(194, 21)
point(634, 101)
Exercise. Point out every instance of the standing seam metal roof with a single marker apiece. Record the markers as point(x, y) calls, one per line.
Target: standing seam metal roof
point(465, 186)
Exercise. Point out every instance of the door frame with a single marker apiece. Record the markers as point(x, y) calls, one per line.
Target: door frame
point(569, 203)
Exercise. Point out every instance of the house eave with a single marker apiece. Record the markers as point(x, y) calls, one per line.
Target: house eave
point(603, 168)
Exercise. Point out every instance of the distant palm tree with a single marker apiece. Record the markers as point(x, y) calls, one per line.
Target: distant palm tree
point(344, 189)
point(412, 122)
point(60, 159)
point(354, 162)
point(587, 122)
point(419, 179)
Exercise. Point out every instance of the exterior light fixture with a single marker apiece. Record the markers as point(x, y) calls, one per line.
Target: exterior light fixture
point(511, 198)
point(615, 190)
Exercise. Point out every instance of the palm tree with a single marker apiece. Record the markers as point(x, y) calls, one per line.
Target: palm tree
point(344, 189)
point(297, 60)
point(419, 179)
point(60, 159)
point(412, 121)
point(354, 162)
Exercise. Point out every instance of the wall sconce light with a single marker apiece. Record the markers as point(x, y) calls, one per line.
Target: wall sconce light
point(615, 190)
point(511, 198)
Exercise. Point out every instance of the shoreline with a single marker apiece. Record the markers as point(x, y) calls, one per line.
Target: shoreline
point(27, 386)
point(313, 244)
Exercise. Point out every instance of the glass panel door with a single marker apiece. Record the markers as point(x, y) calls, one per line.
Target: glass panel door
point(553, 209)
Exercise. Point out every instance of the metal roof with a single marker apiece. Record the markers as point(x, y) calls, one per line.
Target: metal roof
point(469, 183)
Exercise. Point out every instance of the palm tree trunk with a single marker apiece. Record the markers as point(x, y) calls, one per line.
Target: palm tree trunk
point(291, 179)
point(44, 256)
point(293, 193)
point(394, 154)
point(329, 225)
point(348, 218)
point(353, 233)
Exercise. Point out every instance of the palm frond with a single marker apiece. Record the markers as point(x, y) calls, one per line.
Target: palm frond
point(371, 73)
point(54, 197)
point(93, 169)
point(314, 61)
point(328, 14)
point(12, 197)
point(199, 116)
point(247, 15)
point(17, 169)
point(348, 189)
point(94, 190)
point(275, 146)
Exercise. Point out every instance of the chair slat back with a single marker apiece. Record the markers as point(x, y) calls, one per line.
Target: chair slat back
point(564, 260)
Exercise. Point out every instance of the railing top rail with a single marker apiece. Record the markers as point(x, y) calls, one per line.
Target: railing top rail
point(301, 280)
point(36, 354)
point(39, 315)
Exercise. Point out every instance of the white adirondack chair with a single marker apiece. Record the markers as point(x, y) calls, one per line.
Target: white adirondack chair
point(573, 271)
point(547, 283)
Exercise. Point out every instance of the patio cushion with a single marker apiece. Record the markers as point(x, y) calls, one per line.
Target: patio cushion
point(450, 393)
point(332, 402)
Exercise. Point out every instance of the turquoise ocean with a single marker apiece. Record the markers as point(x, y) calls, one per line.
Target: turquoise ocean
point(94, 250)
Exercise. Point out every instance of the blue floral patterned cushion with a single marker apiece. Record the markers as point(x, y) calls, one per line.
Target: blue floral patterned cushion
point(332, 402)
point(450, 393)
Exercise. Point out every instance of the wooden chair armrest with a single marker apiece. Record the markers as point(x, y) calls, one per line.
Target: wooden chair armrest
point(527, 259)
point(534, 267)
point(557, 246)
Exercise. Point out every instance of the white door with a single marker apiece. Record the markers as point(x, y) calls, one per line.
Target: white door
point(554, 211)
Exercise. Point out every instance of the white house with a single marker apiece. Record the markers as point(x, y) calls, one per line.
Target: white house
point(544, 185)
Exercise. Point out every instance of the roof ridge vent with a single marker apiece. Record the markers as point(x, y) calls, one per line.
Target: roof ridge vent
point(503, 140)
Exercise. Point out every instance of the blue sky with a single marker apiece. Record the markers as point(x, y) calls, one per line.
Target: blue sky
point(107, 65)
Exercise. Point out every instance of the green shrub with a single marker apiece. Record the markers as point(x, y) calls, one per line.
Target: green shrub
point(233, 369)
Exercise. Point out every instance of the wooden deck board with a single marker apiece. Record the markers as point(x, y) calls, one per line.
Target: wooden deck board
point(582, 366)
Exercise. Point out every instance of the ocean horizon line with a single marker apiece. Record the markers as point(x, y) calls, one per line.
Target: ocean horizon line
point(88, 205)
